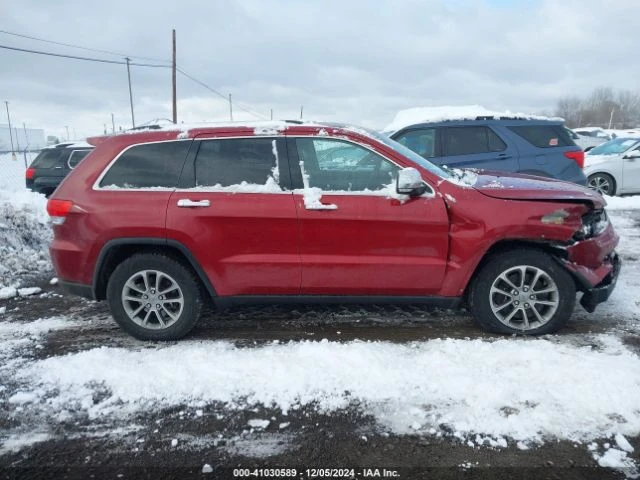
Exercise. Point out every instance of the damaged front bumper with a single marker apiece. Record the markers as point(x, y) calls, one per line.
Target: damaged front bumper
point(595, 266)
point(601, 292)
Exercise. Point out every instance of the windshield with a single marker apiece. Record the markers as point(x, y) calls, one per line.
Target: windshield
point(442, 172)
point(613, 147)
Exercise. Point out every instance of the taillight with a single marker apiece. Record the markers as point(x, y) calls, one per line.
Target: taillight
point(58, 210)
point(29, 173)
point(576, 156)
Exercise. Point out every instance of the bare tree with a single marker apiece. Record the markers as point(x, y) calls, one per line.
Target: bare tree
point(602, 108)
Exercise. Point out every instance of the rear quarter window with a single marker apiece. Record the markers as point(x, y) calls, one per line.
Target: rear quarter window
point(544, 136)
point(148, 165)
point(76, 156)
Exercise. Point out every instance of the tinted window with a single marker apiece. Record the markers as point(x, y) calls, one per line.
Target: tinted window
point(470, 140)
point(76, 156)
point(423, 141)
point(337, 165)
point(233, 161)
point(148, 165)
point(50, 158)
point(544, 136)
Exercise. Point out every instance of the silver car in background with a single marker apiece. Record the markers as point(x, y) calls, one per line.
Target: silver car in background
point(613, 168)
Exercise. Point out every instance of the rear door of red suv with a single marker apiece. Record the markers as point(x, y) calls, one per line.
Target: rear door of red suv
point(357, 236)
point(234, 213)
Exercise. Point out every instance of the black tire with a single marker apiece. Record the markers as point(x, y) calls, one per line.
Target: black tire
point(482, 298)
point(597, 180)
point(170, 273)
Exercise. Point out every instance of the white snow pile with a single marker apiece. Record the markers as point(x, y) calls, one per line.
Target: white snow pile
point(526, 390)
point(25, 234)
point(623, 203)
point(411, 116)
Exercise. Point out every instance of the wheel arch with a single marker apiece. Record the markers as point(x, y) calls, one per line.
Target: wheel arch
point(502, 246)
point(116, 251)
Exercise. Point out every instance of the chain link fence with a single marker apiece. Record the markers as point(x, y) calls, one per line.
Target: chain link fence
point(13, 166)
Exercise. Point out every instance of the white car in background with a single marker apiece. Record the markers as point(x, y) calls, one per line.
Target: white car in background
point(595, 132)
point(613, 168)
point(585, 142)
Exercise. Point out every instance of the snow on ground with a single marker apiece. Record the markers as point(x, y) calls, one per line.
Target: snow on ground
point(527, 390)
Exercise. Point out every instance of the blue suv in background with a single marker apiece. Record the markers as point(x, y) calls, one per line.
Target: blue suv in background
point(530, 146)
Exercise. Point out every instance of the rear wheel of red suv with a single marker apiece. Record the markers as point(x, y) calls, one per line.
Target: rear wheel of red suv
point(154, 297)
point(522, 291)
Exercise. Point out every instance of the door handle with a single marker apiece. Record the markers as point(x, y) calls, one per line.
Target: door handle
point(321, 206)
point(187, 203)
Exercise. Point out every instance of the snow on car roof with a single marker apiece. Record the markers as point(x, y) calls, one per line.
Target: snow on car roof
point(411, 116)
point(75, 144)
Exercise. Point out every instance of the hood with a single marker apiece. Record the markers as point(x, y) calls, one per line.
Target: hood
point(590, 160)
point(514, 186)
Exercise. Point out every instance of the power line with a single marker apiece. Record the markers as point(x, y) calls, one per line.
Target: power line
point(120, 62)
point(221, 95)
point(88, 59)
point(80, 47)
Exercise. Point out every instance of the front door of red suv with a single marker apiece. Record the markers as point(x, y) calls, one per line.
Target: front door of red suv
point(357, 236)
point(236, 219)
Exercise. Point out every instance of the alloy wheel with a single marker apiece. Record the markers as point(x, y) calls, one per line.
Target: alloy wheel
point(524, 297)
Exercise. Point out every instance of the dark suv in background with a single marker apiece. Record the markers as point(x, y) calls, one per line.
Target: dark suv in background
point(534, 147)
point(54, 163)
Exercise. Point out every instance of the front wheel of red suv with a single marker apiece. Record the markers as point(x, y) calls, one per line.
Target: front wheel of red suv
point(522, 291)
point(154, 297)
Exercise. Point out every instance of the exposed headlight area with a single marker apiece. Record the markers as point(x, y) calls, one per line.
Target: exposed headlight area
point(593, 224)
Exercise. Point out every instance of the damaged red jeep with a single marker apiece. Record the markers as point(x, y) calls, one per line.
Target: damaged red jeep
point(158, 222)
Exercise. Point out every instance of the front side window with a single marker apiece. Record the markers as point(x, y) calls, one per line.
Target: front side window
point(422, 141)
point(147, 166)
point(471, 140)
point(237, 162)
point(336, 165)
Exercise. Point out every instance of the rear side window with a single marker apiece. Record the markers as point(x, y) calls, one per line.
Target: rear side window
point(50, 157)
point(471, 140)
point(544, 136)
point(233, 162)
point(76, 156)
point(422, 141)
point(148, 165)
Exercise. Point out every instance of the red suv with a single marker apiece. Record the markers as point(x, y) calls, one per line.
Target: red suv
point(155, 222)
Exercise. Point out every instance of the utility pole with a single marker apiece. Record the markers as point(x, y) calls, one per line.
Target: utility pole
point(611, 118)
point(301, 109)
point(272, 114)
point(105, 128)
point(173, 80)
point(113, 124)
point(26, 147)
point(9, 122)
point(133, 120)
point(230, 109)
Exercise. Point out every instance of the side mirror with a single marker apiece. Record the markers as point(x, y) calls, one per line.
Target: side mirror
point(410, 182)
point(632, 155)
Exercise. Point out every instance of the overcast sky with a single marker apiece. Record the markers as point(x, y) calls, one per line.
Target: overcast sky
point(357, 61)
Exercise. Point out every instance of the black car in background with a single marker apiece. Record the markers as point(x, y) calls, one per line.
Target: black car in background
point(53, 164)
